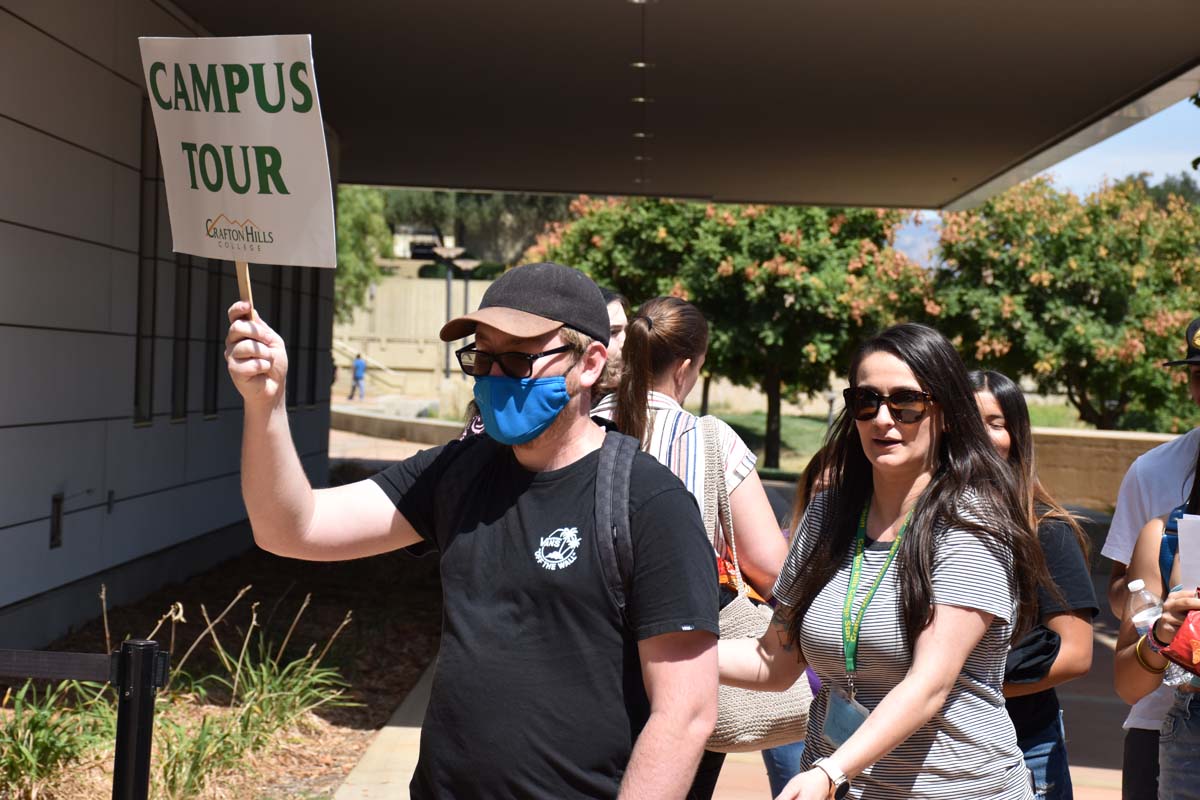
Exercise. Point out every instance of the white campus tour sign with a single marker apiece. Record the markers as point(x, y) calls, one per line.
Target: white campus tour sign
point(242, 147)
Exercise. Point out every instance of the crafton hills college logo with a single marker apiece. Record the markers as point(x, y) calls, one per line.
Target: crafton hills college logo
point(558, 550)
point(234, 234)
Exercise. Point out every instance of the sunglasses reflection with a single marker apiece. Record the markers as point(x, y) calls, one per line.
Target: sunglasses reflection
point(907, 406)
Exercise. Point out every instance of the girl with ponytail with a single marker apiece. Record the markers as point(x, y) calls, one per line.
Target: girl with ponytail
point(664, 351)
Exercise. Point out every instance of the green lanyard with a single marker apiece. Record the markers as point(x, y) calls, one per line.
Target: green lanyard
point(851, 623)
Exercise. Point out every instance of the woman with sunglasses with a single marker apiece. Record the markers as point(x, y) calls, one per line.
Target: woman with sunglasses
point(900, 590)
point(1059, 648)
point(664, 351)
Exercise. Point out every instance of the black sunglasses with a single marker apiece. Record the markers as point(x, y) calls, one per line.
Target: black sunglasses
point(907, 405)
point(477, 363)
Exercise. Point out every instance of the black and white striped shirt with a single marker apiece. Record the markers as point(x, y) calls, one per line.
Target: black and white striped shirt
point(968, 749)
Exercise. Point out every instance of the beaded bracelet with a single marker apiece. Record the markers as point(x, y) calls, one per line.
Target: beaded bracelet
point(1153, 642)
point(1137, 651)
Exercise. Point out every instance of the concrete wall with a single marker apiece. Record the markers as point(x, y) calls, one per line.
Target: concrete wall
point(84, 233)
point(399, 330)
point(385, 426)
point(1085, 467)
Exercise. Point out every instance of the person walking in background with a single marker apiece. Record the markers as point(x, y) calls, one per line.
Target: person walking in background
point(542, 688)
point(1059, 648)
point(665, 346)
point(1158, 481)
point(618, 318)
point(359, 378)
point(911, 658)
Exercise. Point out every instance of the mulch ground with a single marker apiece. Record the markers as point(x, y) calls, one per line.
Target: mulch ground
point(395, 600)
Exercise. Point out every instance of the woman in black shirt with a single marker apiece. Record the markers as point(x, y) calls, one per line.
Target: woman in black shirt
point(1059, 649)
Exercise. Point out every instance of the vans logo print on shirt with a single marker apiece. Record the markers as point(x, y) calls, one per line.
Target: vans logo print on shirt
point(558, 550)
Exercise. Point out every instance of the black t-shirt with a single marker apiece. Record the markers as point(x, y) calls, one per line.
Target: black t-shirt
point(538, 689)
point(1069, 571)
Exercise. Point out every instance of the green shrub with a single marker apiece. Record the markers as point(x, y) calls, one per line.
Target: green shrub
point(188, 756)
point(48, 729)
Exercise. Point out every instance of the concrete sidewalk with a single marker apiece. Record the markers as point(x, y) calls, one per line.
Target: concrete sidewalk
point(385, 768)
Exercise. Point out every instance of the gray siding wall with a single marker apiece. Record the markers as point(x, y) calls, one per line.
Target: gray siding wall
point(71, 228)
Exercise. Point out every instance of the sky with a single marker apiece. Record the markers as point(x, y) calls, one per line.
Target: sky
point(1162, 145)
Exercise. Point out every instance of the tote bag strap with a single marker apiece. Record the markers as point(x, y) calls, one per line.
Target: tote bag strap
point(714, 488)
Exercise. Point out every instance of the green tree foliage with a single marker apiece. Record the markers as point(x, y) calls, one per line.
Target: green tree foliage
point(1180, 185)
point(789, 291)
point(362, 235)
point(1085, 295)
point(496, 227)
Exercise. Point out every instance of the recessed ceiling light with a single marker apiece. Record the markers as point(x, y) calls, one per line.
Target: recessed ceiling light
point(642, 135)
point(641, 65)
point(643, 158)
point(641, 100)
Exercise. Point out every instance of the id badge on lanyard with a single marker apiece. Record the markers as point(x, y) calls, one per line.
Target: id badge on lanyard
point(844, 714)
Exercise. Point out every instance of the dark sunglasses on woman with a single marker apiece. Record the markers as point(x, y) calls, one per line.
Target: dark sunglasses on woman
point(477, 363)
point(906, 406)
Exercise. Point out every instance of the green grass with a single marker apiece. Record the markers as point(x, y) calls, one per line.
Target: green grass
point(1056, 416)
point(47, 730)
point(259, 691)
point(800, 437)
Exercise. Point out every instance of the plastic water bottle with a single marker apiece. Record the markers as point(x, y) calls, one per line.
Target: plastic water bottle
point(1144, 607)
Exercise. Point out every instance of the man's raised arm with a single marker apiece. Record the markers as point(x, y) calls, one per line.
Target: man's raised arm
point(288, 517)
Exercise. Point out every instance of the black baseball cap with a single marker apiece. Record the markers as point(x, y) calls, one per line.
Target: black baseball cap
point(535, 299)
point(1193, 347)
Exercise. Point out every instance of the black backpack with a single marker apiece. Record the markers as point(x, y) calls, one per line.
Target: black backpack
point(613, 535)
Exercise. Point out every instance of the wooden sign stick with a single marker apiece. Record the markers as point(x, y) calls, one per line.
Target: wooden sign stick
point(244, 291)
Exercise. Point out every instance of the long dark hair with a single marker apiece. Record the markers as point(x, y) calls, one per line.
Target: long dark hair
point(1037, 503)
point(966, 462)
point(665, 331)
point(811, 482)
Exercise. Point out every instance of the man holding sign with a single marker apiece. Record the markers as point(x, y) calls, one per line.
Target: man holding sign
point(243, 149)
point(543, 688)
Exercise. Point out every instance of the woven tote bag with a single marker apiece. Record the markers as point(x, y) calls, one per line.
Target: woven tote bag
point(747, 720)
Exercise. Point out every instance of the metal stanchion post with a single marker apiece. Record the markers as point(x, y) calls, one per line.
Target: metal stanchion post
point(449, 311)
point(141, 671)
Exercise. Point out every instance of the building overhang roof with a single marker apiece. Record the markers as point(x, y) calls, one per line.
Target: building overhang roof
point(924, 104)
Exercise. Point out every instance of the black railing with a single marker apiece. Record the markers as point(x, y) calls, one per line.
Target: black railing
point(138, 670)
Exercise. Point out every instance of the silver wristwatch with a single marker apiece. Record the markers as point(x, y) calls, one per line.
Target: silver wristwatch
point(840, 784)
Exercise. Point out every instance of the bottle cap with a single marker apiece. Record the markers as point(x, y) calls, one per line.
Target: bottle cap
point(1137, 585)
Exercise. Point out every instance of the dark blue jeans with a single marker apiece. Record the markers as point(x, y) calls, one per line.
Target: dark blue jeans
point(1179, 749)
point(783, 764)
point(1046, 757)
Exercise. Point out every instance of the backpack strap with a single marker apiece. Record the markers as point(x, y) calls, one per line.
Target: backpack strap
point(613, 536)
point(1168, 547)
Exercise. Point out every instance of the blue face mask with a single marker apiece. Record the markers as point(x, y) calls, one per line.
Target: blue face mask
point(518, 410)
